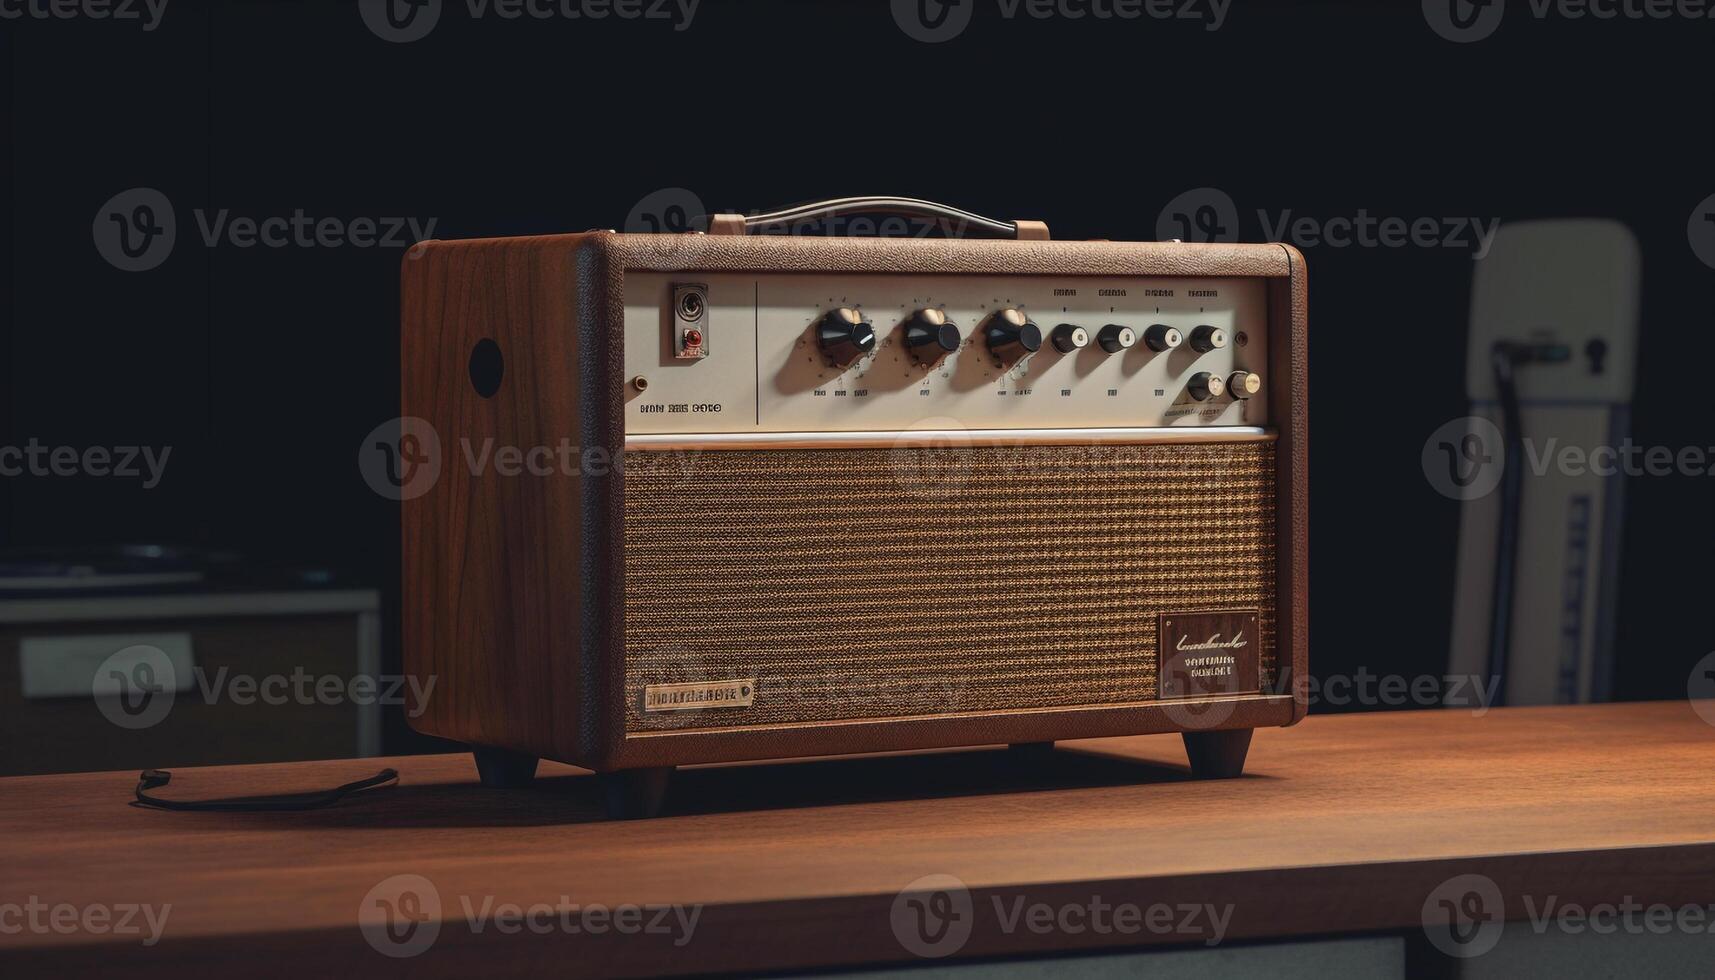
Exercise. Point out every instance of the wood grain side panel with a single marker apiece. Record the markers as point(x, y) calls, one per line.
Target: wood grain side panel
point(491, 561)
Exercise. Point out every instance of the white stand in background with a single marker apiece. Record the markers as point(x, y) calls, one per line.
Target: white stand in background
point(1569, 286)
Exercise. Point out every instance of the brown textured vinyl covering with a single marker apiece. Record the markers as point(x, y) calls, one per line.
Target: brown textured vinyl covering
point(871, 583)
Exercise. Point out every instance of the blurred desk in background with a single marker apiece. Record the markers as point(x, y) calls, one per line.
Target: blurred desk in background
point(187, 678)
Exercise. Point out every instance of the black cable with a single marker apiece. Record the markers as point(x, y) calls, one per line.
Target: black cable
point(150, 779)
point(1505, 358)
point(1501, 358)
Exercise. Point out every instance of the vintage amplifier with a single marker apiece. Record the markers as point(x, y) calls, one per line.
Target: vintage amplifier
point(728, 495)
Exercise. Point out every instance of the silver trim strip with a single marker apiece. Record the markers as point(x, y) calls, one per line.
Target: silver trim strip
point(944, 438)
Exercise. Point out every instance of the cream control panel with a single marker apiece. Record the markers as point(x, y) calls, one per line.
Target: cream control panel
point(784, 352)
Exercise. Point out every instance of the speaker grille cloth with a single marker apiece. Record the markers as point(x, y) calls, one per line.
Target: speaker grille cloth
point(868, 583)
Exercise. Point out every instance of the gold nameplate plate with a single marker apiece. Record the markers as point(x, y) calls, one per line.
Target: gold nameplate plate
point(1208, 653)
point(697, 695)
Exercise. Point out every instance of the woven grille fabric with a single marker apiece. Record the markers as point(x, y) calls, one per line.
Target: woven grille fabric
point(870, 583)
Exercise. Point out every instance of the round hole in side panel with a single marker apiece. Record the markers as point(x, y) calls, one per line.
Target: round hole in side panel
point(486, 367)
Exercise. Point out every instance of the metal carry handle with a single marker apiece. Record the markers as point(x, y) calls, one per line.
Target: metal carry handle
point(970, 225)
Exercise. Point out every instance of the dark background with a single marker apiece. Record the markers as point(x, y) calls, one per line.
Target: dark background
point(263, 368)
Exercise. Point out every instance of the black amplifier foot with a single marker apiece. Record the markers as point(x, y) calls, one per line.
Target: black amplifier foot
point(1217, 755)
point(635, 794)
point(504, 768)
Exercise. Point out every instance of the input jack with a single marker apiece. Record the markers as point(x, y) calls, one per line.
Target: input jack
point(691, 305)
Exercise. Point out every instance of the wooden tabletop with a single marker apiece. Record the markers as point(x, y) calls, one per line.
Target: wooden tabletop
point(1343, 824)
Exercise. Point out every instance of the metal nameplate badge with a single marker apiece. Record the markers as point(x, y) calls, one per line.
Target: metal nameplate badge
point(1204, 653)
point(697, 695)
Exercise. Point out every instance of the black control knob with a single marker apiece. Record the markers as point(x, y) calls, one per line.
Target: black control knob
point(1243, 384)
point(1205, 386)
point(1115, 338)
point(1161, 337)
point(844, 335)
point(930, 336)
point(1206, 338)
point(1011, 334)
point(1069, 337)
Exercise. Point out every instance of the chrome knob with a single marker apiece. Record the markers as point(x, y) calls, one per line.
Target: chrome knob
point(1243, 384)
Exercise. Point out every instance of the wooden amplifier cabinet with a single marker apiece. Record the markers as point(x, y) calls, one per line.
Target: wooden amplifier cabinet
point(719, 497)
